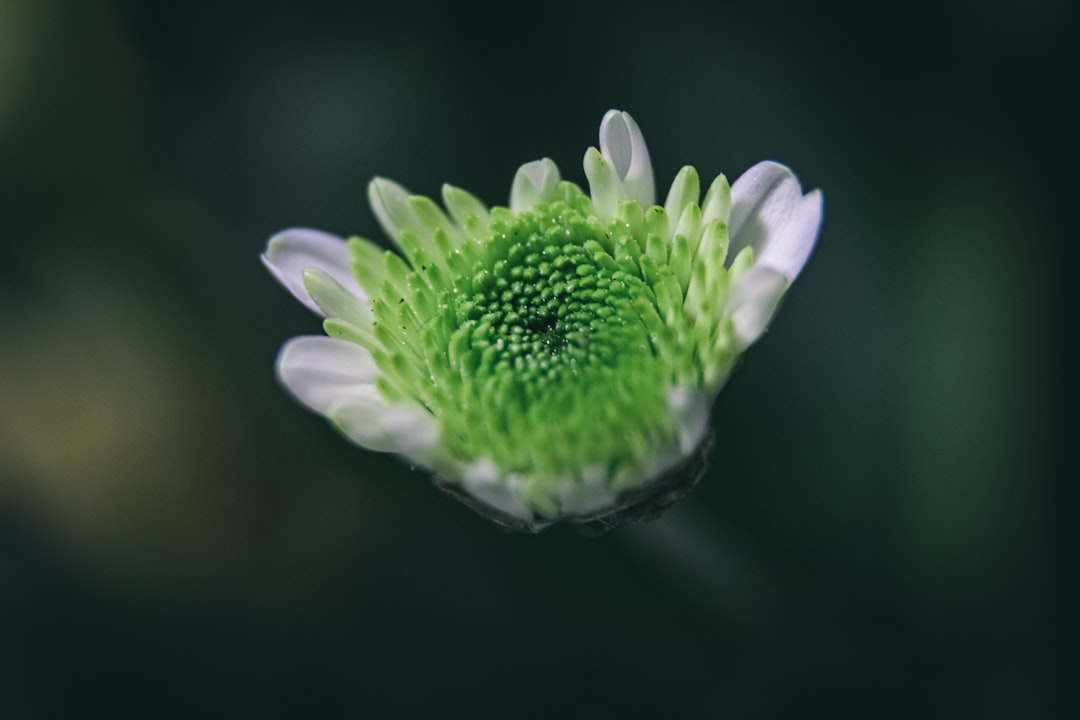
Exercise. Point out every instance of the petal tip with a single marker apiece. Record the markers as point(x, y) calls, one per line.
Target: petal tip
point(289, 252)
point(388, 201)
point(770, 213)
point(534, 182)
point(623, 146)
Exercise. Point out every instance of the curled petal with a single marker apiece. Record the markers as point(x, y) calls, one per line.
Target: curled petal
point(623, 146)
point(319, 370)
point(770, 214)
point(535, 182)
point(755, 295)
point(290, 252)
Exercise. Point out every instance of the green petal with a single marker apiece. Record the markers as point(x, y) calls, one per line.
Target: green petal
point(367, 264)
point(464, 207)
point(717, 203)
point(334, 300)
point(604, 185)
point(685, 190)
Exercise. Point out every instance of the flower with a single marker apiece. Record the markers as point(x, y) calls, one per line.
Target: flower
point(556, 359)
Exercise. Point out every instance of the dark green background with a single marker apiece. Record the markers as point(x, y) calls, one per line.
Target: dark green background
point(887, 529)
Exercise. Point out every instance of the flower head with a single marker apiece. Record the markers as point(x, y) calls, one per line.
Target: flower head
point(556, 359)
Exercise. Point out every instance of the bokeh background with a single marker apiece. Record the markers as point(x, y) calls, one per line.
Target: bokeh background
point(888, 526)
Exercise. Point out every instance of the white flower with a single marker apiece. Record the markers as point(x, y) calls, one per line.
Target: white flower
point(556, 359)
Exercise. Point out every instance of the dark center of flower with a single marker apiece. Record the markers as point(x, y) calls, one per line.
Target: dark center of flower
point(548, 303)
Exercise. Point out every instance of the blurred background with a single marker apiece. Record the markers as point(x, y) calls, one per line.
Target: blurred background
point(887, 528)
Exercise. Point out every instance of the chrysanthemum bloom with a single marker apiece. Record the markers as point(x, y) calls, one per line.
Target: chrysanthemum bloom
point(556, 359)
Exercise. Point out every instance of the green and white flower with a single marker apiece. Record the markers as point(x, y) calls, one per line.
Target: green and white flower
point(554, 359)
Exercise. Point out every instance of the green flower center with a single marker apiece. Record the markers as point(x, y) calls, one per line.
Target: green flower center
point(546, 341)
point(552, 368)
point(548, 306)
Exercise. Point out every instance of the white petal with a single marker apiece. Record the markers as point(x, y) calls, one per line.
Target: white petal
point(288, 254)
point(319, 370)
point(366, 418)
point(535, 182)
point(767, 188)
point(623, 146)
point(770, 214)
point(586, 495)
point(359, 416)
point(690, 409)
point(414, 430)
point(789, 250)
point(754, 297)
point(483, 481)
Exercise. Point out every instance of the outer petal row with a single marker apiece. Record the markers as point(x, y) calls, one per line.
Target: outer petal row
point(318, 370)
point(755, 295)
point(367, 419)
point(291, 252)
point(336, 378)
point(770, 214)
